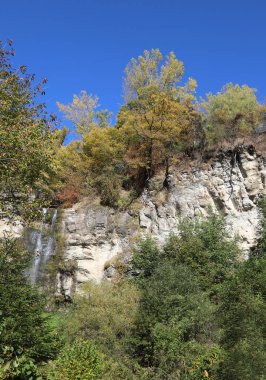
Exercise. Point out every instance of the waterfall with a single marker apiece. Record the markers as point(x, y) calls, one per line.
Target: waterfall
point(49, 249)
point(42, 248)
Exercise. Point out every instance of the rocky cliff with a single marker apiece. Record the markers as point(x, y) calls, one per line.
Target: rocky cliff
point(231, 183)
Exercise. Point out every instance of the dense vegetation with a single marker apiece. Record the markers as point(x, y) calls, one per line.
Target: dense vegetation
point(195, 310)
point(161, 123)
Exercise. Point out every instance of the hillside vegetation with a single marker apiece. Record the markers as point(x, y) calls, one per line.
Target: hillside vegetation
point(195, 310)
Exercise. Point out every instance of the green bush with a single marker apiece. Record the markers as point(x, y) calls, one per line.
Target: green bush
point(80, 360)
point(17, 368)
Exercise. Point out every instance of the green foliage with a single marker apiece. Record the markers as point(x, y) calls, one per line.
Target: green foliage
point(17, 368)
point(233, 112)
point(146, 257)
point(176, 331)
point(261, 246)
point(242, 315)
point(198, 312)
point(80, 360)
point(26, 140)
point(175, 324)
point(101, 315)
point(205, 247)
point(25, 336)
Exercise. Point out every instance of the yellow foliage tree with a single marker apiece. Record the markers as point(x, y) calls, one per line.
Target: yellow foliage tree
point(82, 112)
point(104, 149)
point(159, 118)
point(156, 126)
point(72, 169)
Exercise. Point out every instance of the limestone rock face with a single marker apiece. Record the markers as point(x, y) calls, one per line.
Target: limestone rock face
point(94, 236)
point(13, 230)
point(231, 184)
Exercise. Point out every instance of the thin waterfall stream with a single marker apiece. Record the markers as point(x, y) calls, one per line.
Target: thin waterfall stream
point(42, 245)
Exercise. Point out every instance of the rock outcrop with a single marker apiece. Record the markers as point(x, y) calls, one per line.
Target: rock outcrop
point(231, 183)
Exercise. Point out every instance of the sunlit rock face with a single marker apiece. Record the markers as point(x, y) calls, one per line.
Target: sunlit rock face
point(231, 184)
point(94, 235)
point(13, 230)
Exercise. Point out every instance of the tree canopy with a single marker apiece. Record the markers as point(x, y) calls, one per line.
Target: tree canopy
point(232, 112)
point(26, 139)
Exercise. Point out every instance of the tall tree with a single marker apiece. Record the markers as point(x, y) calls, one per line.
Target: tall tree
point(159, 117)
point(176, 331)
point(242, 316)
point(149, 70)
point(26, 140)
point(25, 336)
point(157, 126)
point(27, 145)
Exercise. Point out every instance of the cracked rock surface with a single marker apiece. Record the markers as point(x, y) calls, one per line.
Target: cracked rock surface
point(232, 184)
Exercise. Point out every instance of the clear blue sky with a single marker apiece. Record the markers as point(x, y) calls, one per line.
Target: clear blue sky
point(85, 44)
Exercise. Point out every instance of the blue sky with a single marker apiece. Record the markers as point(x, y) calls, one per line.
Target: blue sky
point(86, 44)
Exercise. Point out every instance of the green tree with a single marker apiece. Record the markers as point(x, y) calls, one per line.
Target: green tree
point(105, 315)
point(232, 112)
point(26, 140)
point(177, 333)
point(242, 316)
point(146, 257)
point(25, 336)
point(101, 315)
point(206, 248)
point(175, 326)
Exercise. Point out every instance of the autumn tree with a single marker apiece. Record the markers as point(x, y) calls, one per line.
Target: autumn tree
point(156, 127)
point(159, 117)
point(149, 70)
point(232, 112)
point(72, 174)
point(104, 149)
point(82, 112)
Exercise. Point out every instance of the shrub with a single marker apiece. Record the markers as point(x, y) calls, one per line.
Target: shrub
point(80, 361)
